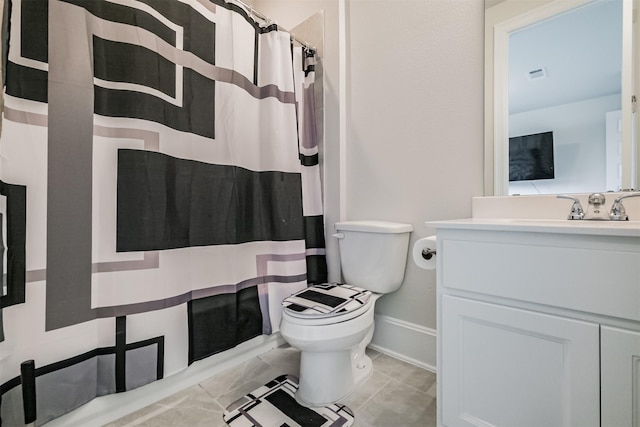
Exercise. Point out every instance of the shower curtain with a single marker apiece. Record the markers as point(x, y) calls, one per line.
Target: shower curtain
point(159, 192)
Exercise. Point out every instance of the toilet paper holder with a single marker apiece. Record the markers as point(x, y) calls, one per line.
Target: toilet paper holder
point(428, 253)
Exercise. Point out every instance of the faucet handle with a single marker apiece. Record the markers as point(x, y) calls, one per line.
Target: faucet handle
point(576, 209)
point(617, 212)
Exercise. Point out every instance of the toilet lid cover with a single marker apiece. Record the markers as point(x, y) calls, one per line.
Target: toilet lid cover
point(327, 300)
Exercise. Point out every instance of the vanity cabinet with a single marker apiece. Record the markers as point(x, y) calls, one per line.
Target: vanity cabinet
point(510, 367)
point(620, 359)
point(538, 324)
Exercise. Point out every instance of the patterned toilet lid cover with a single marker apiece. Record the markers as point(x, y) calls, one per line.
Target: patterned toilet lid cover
point(327, 300)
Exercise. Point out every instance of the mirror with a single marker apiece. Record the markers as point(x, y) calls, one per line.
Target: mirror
point(556, 72)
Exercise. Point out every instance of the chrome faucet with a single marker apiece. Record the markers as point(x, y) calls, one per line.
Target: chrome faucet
point(617, 212)
point(595, 211)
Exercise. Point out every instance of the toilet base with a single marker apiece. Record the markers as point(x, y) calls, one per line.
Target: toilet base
point(341, 374)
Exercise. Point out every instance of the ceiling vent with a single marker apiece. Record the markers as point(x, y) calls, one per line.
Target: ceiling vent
point(538, 73)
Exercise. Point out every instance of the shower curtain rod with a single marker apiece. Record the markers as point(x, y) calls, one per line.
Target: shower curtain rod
point(266, 19)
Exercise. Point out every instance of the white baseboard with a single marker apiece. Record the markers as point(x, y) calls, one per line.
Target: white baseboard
point(105, 409)
point(406, 341)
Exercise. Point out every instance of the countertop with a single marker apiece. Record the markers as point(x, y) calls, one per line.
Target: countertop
point(586, 227)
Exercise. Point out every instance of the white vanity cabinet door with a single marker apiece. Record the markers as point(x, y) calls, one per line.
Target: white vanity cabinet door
point(508, 367)
point(620, 378)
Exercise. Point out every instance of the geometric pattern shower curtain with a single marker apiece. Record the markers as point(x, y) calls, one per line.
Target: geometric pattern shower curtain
point(159, 193)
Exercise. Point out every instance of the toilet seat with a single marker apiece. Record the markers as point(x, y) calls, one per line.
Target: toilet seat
point(327, 303)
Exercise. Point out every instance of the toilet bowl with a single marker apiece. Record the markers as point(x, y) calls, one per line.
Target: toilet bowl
point(333, 362)
point(332, 324)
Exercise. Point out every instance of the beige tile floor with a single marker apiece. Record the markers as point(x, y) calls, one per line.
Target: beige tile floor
point(398, 394)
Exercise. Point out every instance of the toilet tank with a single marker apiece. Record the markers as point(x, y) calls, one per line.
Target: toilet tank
point(373, 254)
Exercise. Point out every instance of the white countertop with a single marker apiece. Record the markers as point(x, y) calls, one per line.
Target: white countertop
point(587, 227)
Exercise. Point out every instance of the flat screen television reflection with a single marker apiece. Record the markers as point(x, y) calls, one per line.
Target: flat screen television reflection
point(531, 157)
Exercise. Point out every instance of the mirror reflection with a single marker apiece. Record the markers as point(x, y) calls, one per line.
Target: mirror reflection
point(565, 102)
point(556, 75)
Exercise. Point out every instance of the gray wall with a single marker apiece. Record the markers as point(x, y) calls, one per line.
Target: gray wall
point(413, 119)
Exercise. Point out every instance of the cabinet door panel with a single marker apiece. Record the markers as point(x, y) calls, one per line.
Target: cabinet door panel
point(620, 378)
point(502, 366)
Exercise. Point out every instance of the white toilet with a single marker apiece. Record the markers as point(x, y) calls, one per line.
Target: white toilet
point(332, 324)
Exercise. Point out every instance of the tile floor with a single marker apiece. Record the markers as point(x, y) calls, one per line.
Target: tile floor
point(397, 394)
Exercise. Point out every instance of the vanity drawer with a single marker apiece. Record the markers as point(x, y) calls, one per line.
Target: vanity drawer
point(601, 277)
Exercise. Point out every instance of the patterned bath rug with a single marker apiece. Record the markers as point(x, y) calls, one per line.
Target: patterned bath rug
point(274, 405)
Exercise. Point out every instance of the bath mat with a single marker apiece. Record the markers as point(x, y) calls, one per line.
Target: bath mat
point(273, 405)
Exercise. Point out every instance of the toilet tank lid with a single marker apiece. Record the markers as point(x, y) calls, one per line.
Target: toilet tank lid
point(374, 226)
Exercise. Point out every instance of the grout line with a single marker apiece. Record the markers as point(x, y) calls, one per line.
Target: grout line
point(412, 387)
point(215, 399)
point(239, 386)
point(161, 410)
point(389, 379)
